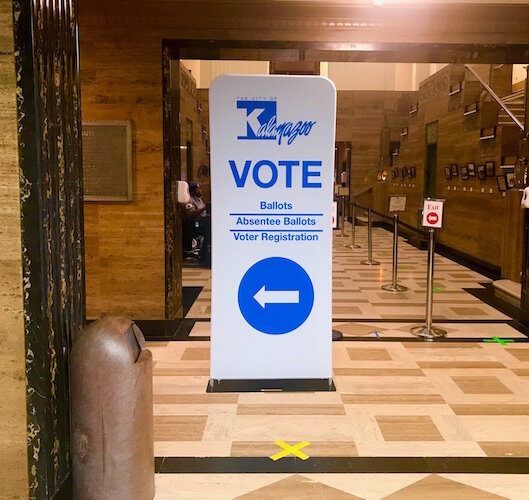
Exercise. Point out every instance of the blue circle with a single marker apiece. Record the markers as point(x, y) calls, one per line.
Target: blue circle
point(276, 295)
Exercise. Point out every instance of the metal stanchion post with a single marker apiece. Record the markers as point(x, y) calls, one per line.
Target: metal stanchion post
point(369, 261)
point(343, 216)
point(342, 233)
point(428, 331)
point(353, 244)
point(394, 286)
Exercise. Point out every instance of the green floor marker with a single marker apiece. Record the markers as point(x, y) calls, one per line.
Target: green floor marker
point(404, 267)
point(436, 289)
point(498, 340)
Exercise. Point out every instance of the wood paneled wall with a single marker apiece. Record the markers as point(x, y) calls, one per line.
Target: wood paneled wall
point(360, 118)
point(474, 216)
point(121, 79)
point(13, 429)
point(194, 106)
point(203, 174)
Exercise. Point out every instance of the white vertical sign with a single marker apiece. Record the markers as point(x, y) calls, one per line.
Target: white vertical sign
point(272, 159)
point(432, 213)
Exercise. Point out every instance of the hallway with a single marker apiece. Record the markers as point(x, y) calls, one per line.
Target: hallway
point(395, 397)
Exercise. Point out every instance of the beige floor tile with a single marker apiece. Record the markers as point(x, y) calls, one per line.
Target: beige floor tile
point(219, 427)
point(369, 486)
point(436, 487)
point(512, 486)
point(497, 428)
point(368, 354)
point(297, 486)
point(180, 385)
point(380, 385)
point(290, 409)
point(491, 409)
point(451, 428)
point(419, 449)
point(195, 354)
point(365, 428)
point(179, 427)
point(408, 428)
point(210, 486)
point(520, 353)
point(399, 409)
point(315, 449)
point(191, 409)
point(391, 399)
point(192, 448)
point(196, 399)
point(481, 385)
point(505, 449)
point(301, 398)
point(292, 428)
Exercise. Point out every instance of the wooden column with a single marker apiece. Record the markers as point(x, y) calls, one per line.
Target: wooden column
point(523, 150)
point(513, 237)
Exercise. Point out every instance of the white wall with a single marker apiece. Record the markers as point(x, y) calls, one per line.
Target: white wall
point(518, 73)
point(380, 76)
point(205, 72)
point(345, 75)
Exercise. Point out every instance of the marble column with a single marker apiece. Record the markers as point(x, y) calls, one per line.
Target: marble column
point(13, 457)
point(51, 230)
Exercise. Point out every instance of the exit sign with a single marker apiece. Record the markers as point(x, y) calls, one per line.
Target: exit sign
point(432, 213)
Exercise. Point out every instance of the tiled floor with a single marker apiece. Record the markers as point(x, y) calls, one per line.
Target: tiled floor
point(392, 399)
point(346, 486)
point(357, 290)
point(395, 396)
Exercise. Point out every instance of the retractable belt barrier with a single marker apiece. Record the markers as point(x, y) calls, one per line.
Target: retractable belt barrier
point(428, 331)
point(353, 244)
point(369, 261)
point(394, 286)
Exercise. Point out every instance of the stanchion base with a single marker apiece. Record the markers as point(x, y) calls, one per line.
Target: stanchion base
point(394, 288)
point(428, 333)
point(337, 335)
point(370, 263)
point(353, 247)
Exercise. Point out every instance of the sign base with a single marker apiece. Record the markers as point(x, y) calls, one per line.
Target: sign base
point(369, 262)
point(279, 385)
point(394, 288)
point(337, 334)
point(428, 333)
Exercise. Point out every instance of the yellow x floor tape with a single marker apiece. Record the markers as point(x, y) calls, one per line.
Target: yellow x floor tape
point(287, 450)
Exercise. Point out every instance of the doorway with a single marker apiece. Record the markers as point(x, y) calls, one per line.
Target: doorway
point(430, 160)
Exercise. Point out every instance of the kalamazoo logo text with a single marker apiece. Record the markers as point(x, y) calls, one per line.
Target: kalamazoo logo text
point(261, 123)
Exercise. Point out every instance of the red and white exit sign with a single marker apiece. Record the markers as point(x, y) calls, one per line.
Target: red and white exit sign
point(335, 215)
point(432, 213)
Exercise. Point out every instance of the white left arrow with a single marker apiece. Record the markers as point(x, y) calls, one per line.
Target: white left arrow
point(253, 120)
point(264, 296)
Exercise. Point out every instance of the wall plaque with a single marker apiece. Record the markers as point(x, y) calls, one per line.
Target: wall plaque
point(107, 160)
